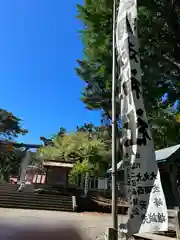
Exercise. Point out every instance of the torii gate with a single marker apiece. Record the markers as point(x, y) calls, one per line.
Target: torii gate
point(25, 160)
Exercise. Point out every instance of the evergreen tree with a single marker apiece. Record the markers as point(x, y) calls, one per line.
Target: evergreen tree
point(158, 27)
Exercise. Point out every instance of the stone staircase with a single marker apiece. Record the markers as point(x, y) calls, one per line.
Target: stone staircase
point(10, 198)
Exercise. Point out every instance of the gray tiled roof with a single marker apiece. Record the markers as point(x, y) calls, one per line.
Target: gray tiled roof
point(165, 153)
point(161, 155)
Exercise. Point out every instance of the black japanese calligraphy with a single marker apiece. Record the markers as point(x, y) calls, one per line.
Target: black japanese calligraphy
point(143, 204)
point(135, 24)
point(134, 72)
point(135, 201)
point(133, 52)
point(146, 176)
point(132, 125)
point(161, 217)
point(139, 142)
point(135, 166)
point(147, 189)
point(128, 142)
point(154, 218)
point(135, 84)
point(156, 189)
point(158, 202)
point(132, 166)
point(140, 112)
point(140, 190)
point(133, 191)
point(138, 177)
point(142, 127)
point(140, 173)
point(144, 190)
point(135, 211)
point(153, 176)
point(133, 183)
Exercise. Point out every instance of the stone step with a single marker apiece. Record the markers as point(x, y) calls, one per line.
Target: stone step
point(12, 201)
point(36, 196)
point(10, 198)
point(12, 187)
point(35, 199)
point(35, 206)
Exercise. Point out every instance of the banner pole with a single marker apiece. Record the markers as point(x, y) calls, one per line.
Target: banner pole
point(114, 128)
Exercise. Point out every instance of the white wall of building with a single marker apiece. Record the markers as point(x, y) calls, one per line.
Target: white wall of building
point(102, 183)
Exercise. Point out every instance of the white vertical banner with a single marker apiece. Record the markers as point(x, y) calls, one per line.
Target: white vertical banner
point(148, 212)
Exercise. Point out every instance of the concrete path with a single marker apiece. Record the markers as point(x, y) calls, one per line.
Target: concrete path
point(93, 224)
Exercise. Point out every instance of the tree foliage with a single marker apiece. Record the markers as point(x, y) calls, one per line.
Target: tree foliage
point(9, 162)
point(159, 27)
point(89, 153)
point(48, 141)
point(10, 128)
point(10, 125)
point(102, 132)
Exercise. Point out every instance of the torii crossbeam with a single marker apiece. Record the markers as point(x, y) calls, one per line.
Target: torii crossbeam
point(19, 145)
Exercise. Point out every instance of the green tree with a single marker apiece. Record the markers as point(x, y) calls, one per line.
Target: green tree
point(10, 128)
point(9, 162)
point(78, 147)
point(48, 141)
point(62, 131)
point(102, 132)
point(160, 47)
point(10, 125)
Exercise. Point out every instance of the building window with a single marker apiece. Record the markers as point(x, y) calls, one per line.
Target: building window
point(92, 183)
point(96, 183)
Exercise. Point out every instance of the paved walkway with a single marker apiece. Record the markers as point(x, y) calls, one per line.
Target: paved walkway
point(93, 224)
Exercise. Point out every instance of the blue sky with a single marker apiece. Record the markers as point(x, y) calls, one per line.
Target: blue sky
point(39, 45)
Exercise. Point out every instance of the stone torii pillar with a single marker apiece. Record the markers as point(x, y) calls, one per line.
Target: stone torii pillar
point(23, 169)
point(26, 159)
point(24, 166)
